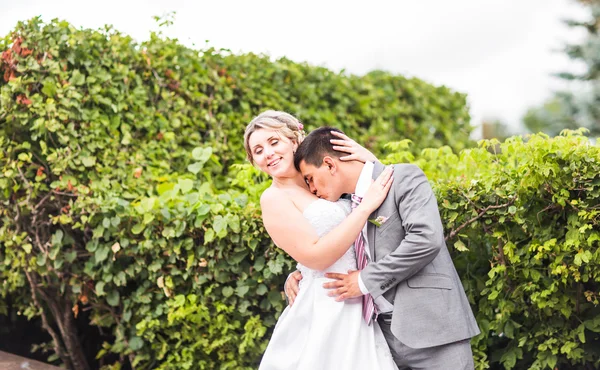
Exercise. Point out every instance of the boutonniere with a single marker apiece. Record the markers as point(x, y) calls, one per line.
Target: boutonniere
point(378, 221)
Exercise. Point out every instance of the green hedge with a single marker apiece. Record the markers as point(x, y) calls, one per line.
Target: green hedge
point(123, 197)
point(523, 223)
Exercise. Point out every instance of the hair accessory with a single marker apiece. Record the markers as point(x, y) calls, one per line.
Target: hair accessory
point(300, 126)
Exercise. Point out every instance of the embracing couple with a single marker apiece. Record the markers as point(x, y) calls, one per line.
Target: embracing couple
point(375, 287)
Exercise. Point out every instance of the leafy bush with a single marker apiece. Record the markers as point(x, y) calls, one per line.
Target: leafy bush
point(525, 227)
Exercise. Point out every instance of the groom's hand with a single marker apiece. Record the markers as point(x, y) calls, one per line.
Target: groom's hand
point(345, 287)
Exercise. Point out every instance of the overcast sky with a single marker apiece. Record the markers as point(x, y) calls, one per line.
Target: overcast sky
point(500, 52)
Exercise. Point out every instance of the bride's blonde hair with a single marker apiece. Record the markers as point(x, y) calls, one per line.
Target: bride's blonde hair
point(281, 122)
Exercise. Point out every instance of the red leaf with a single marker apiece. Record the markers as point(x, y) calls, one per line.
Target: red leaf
point(7, 56)
point(17, 46)
point(25, 52)
point(23, 99)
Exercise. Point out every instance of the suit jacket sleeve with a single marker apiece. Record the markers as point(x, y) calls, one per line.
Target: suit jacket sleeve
point(424, 234)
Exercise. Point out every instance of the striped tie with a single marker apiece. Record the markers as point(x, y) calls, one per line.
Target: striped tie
point(368, 307)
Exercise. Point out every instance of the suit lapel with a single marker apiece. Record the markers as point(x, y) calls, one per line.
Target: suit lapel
point(377, 170)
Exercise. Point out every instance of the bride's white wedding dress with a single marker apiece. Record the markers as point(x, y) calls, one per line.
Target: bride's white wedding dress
point(317, 332)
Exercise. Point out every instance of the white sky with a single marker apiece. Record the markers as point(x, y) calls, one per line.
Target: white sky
point(500, 52)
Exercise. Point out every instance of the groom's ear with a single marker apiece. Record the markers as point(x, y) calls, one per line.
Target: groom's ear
point(331, 164)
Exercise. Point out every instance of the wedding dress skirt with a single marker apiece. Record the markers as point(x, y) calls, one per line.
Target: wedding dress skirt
point(317, 332)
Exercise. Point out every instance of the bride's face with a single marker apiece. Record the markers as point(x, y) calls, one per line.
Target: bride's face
point(272, 152)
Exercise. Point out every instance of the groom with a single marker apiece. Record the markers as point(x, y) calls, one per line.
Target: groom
point(420, 302)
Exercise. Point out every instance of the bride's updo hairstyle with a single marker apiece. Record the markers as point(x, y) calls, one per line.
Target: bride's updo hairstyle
point(281, 122)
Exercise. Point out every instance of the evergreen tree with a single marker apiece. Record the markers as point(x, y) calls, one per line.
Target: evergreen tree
point(567, 109)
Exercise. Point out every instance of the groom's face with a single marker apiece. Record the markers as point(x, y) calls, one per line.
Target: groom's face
point(323, 181)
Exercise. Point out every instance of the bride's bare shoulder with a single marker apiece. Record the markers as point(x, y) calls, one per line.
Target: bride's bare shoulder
point(273, 195)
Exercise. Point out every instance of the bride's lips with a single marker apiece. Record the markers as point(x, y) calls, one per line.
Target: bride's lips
point(273, 163)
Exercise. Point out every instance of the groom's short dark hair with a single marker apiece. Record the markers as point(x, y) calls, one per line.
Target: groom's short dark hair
point(316, 146)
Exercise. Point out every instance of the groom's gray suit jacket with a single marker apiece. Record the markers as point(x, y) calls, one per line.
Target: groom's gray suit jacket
point(411, 266)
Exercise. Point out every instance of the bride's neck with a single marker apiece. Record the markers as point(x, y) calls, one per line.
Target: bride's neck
point(286, 182)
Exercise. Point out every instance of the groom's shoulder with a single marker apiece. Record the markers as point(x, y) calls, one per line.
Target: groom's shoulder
point(408, 172)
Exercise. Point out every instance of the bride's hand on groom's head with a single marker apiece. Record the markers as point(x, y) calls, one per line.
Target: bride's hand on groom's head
point(356, 152)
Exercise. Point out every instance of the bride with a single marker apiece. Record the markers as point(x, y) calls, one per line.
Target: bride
point(316, 332)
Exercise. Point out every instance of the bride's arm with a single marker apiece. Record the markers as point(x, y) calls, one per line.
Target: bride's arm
point(354, 150)
point(291, 232)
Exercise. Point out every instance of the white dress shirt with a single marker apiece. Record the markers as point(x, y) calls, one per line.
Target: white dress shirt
point(362, 186)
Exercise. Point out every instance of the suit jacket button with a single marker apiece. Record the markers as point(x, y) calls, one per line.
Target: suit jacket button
point(382, 287)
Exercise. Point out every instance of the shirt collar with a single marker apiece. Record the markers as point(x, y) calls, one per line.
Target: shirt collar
point(364, 180)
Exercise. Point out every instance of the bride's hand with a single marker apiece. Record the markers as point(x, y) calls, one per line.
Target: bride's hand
point(355, 150)
point(378, 190)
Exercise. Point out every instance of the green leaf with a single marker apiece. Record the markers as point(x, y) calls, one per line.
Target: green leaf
point(227, 291)
point(185, 185)
point(113, 298)
point(259, 264)
point(460, 246)
point(262, 289)
point(148, 217)
point(209, 236)
point(101, 253)
point(219, 224)
point(509, 359)
point(57, 237)
point(234, 224)
point(509, 329)
point(137, 228)
point(164, 187)
point(201, 154)
point(136, 343)
point(276, 266)
point(88, 161)
point(179, 300)
point(275, 297)
point(242, 290)
point(70, 256)
point(195, 167)
point(77, 78)
point(551, 361)
point(155, 266)
point(581, 333)
point(54, 252)
point(203, 210)
point(49, 88)
point(41, 259)
point(100, 288)
point(115, 221)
